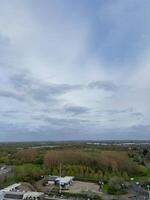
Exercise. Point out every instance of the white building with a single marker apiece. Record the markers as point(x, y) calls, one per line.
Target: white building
point(64, 181)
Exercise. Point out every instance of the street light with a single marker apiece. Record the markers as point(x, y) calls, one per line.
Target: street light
point(60, 179)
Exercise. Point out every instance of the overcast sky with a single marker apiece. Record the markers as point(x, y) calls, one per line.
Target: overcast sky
point(74, 69)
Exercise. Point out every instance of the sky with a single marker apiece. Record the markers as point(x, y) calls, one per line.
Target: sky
point(74, 70)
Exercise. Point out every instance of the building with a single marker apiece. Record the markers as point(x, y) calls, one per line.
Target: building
point(21, 196)
point(12, 192)
point(64, 181)
point(11, 188)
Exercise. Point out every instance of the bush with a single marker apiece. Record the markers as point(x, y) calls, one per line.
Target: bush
point(115, 186)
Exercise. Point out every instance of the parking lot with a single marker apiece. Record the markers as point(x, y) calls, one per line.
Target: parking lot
point(78, 187)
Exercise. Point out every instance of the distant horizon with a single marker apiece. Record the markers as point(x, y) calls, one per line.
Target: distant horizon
point(79, 141)
point(74, 70)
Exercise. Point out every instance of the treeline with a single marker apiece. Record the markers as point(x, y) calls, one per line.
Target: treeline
point(100, 164)
point(104, 161)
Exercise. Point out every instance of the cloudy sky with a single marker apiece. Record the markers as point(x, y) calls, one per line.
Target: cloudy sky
point(72, 69)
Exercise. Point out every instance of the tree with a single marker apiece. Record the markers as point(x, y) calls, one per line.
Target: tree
point(125, 176)
point(28, 172)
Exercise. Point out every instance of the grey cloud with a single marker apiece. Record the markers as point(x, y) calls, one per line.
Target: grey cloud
point(24, 81)
point(58, 122)
point(13, 114)
point(12, 128)
point(103, 85)
point(8, 113)
point(141, 128)
point(39, 91)
point(5, 47)
point(14, 133)
point(22, 132)
point(76, 110)
point(114, 111)
point(137, 114)
point(43, 92)
point(130, 111)
point(21, 81)
point(11, 94)
point(49, 92)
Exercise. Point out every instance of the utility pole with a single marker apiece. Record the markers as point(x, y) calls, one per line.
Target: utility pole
point(60, 178)
point(148, 186)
